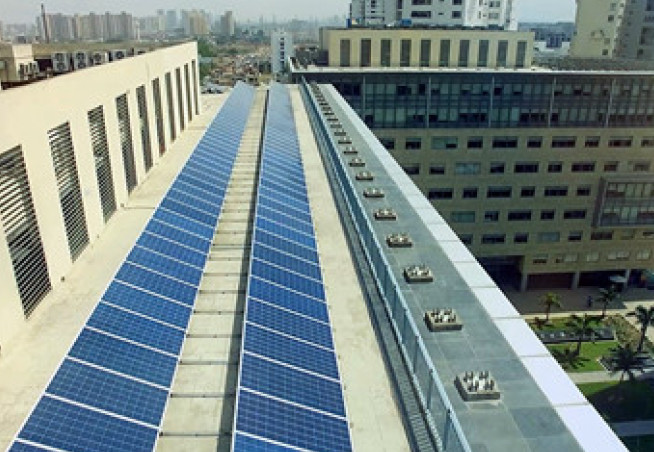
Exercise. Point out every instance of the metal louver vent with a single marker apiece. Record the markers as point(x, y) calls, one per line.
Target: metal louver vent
point(70, 196)
point(158, 115)
point(145, 127)
point(100, 147)
point(180, 98)
point(171, 107)
point(126, 142)
point(22, 231)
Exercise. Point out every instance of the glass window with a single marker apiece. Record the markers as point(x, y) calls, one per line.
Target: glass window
point(647, 142)
point(583, 167)
point(405, 52)
point(555, 167)
point(556, 191)
point(388, 143)
point(502, 50)
point(575, 236)
point(440, 193)
point(601, 235)
point(444, 57)
point(620, 142)
point(411, 170)
point(466, 168)
point(425, 52)
point(366, 45)
point(549, 237)
point(345, 52)
point(493, 239)
point(437, 169)
point(519, 215)
point(482, 58)
point(583, 190)
point(520, 237)
point(534, 142)
point(505, 142)
point(467, 216)
point(574, 214)
point(466, 239)
point(611, 167)
point(643, 255)
point(593, 256)
point(526, 167)
point(497, 167)
point(564, 142)
point(498, 192)
point(527, 192)
point(491, 216)
point(547, 214)
point(592, 142)
point(521, 54)
point(413, 143)
point(470, 193)
point(385, 56)
point(439, 143)
point(464, 50)
point(475, 143)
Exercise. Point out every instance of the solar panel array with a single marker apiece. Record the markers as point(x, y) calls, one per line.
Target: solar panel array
point(110, 392)
point(290, 395)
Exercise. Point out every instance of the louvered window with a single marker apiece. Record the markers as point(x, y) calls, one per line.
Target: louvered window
point(187, 84)
point(22, 231)
point(180, 98)
point(126, 142)
point(171, 107)
point(195, 86)
point(102, 161)
point(70, 196)
point(158, 115)
point(145, 127)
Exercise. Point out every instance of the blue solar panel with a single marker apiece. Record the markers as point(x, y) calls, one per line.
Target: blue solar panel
point(289, 323)
point(147, 304)
point(99, 389)
point(291, 425)
point(153, 282)
point(123, 357)
point(281, 348)
point(175, 233)
point(292, 385)
point(285, 245)
point(280, 172)
point(191, 189)
point(174, 250)
point(285, 219)
point(190, 226)
point(61, 425)
point(137, 329)
point(188, 212)
point(300, 214)
point(217, 189)
point(288, 233)
point(292, 263)
point(288, 299)
point(290, 201)
point(23, 447)
point(197, 203)
point(284, 190)
point(244, 443)
point(285, 278)
point(164, 265)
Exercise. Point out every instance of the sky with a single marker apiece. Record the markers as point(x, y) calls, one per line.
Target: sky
point(24, 11)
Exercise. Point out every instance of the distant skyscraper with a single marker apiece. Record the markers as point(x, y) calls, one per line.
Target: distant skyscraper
point(172, 22)
point(282, 48)
point(227, 24)
point(636, 36)
point(597, 27)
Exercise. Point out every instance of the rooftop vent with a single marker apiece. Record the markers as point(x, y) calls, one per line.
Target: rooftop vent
point(399, 240)
point(336, 125)
point(350, 150)
point(332, 118)
point(357, 162)
point(477, 386)
point(418, 274)
point(365, 175)
point(442, 320)
point(344, 140)
point(373, 192)
point(387, 214)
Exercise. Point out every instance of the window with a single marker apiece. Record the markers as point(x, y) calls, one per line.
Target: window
point(440, 193)
point(620, 142)
point(519, 215)
point(425, 52)
point(641, 166)
point(502, 50)
point(420, 2)
point(444, 143)
point(527, 192)
point(549, 237)
point(534, 142)
point(470, 193)
point(491, 216)
point(583, 190)
point(497, 168)
point(520, 237)
point(592, 142)
point(385, 56)
point(405, 53)
point(493, 239)
point(547, 214)
point(412, 170)
point(610, 167)
point(505, 142)
point(521, 54)
point(601, 235)
point(643, 255)
point(498, 192)
point(575, 236)
point(555, 167)
point(564, 142)
point(475, 143)
point(437, 169)
point(444, 57)
point(456, 14)
point(464, 50)
point(647, 142)
point(388, 143)
point(617, 255)
point(556, 191)
point(365, 53)
point(421, 14)
point(413, 144)
point(526, 167)
point(463, 217)
point(574, 214)
point(482, 56)
point(467, 168)
point(583, 167)
point(628, 234)
point(466, 239)
point(540, 259)
point(345, 52)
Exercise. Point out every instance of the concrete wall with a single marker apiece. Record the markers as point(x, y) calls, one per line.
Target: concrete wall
point(29, 112)
point(597, 24)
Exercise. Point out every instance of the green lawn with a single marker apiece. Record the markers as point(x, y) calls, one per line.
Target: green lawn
point(619, 402)
point(587, 360)
point(639, 443)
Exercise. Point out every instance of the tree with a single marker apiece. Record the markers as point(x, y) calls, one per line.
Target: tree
point(582, 327)
point(625, 359)
point(550, 299)
point(607, 297)
point(645, 318)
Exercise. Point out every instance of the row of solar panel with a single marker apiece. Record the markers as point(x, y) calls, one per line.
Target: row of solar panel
point(110, 392)
point(289, 394)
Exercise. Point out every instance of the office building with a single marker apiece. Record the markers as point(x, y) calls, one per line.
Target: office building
point(636, 40)
point(455, 13)
point(597, 28)
point(239, 317)
point(282, 48)
point(227, 24)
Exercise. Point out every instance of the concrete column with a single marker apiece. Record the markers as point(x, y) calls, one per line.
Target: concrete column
point(523, 282)
point(575, 280)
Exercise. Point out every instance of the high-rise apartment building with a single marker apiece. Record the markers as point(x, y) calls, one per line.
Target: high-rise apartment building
point(281, 49)
point(597, 28)
point(462, 13)
point(172, 20)
point(636, 40)
point(227, 24)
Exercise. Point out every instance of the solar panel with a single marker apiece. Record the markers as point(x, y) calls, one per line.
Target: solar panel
point(242, 442)
point(287, 278)
point(110, 392)
point(288, 299)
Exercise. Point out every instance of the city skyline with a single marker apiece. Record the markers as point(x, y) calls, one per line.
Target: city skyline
point(21, 11)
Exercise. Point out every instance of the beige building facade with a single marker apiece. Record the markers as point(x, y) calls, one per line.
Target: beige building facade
point(72, 148)
point(412, 47)
point(597, 27)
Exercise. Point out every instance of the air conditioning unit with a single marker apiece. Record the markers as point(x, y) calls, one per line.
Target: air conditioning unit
point(99, 58)
point(60, 62)
point(118, 55)
point(80, 59)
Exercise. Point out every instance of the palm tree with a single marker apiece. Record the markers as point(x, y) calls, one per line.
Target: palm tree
point(550, 299)
point(607, 297)
point(625, 359)
point(644, 317)
point(581, 327)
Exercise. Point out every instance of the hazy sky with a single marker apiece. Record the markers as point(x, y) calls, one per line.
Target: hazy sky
point(12, 11)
